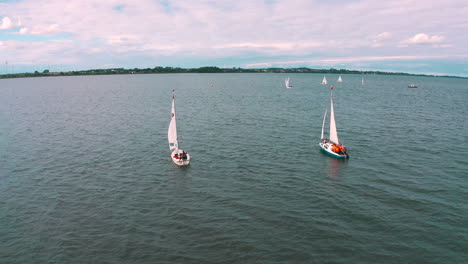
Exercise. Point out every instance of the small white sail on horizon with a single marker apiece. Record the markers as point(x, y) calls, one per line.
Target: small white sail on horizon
point(286, 82)
point(339, 79)
point(362, 81)
point(324, 80)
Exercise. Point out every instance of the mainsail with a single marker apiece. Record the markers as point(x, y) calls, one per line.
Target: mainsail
point(339, 79)
point(333, 132)
point(324, 81)
point(172, 131)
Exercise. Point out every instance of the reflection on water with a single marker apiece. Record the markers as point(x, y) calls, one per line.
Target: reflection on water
point(335, 171)
point(335, 167)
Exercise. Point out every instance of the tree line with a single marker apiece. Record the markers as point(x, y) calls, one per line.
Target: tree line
point(206, 69)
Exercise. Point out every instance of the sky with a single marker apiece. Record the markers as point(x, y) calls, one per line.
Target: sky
point(414, 36)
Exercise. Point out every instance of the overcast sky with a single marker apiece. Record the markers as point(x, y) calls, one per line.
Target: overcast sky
point(416, 36)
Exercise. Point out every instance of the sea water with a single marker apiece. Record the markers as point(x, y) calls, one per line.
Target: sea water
point(86, 174)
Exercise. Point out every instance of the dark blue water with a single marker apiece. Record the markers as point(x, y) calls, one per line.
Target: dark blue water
point(86, 177)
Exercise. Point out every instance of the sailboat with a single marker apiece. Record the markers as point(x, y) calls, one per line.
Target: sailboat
point(332, 146)
point(324, 80)
point(286, 82)
point(362, 81)
point(178, 156)
point(339, 79)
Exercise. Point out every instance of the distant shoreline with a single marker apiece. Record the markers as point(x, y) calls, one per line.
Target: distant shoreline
point(209, 69)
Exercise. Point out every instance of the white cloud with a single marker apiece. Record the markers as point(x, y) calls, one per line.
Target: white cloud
point(6, 23)
point(286, 46)
point(380, 39)
point(23, 31)
point(383, 36)
point(422, 38)
point(44, 30)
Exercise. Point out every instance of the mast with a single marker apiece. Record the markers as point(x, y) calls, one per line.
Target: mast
point(172, 130)
point(323, 123)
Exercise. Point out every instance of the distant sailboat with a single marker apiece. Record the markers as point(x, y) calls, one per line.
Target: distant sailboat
point(362, 81)
point(324, 80)
point(339, 79)
point(178, 156)
point(286, 82)
point(332, 146)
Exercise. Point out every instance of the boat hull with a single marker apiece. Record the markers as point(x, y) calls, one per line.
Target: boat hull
point(327, 149)
point(180, 162)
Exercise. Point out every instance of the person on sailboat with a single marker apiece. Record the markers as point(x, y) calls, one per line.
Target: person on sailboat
point(183, 155)
point(336, 148)
point(176, 156)
point(343, 148)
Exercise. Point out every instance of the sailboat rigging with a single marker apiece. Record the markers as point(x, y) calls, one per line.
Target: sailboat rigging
point(332, 145)
point(178, 156)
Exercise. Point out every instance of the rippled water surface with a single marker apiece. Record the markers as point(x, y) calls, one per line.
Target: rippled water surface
point(86, 177)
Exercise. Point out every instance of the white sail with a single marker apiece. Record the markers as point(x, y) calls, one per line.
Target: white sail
point(333, 132)
point(362, 80)
point(339, 79)
point(323, 123)
point(324, 80)
point(286, 82)
point(172, 131)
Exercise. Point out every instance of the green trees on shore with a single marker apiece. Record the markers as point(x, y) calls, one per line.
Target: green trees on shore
point(206, 69)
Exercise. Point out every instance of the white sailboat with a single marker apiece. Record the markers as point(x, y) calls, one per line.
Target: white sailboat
point(339, 79)
point(324, 80)
point(332, 145)
point(362, 81)
point(286, 82)
point(178, 156)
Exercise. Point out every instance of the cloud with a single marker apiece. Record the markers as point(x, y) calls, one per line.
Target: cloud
point(379, 39)
point(422, 38)
point(23, 31)
point(269, 46)
point(43, 30)
point(7, 23)
point(35, 52)
point(383, 36)
point(352, 60)
point(243, 31)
